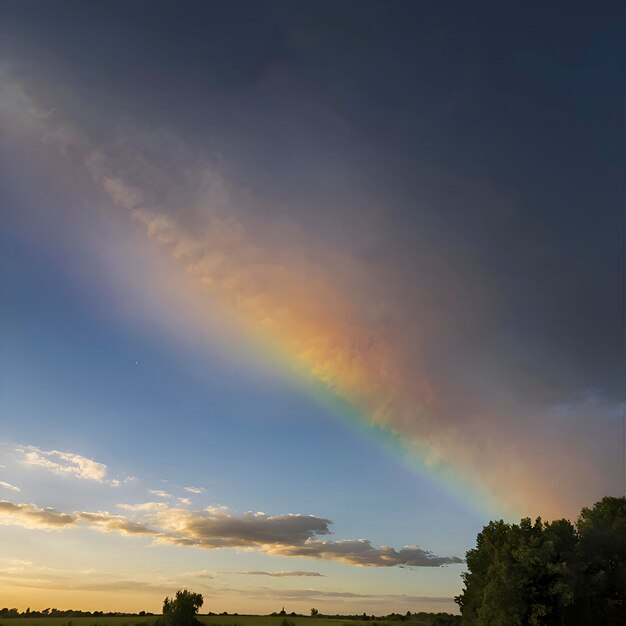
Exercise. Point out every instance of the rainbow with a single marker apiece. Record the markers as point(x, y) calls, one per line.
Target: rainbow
point(290, 303)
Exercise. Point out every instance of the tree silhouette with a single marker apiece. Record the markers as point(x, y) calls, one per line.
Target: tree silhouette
point(182, 610)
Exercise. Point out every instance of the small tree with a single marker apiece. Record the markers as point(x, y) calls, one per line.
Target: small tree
point(314, 612)
point(182, 610)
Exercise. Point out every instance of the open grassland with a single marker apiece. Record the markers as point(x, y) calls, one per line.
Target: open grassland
point(131, 620)
point(209, 620)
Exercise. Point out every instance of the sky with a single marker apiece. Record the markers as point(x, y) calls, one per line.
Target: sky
point(297, 296)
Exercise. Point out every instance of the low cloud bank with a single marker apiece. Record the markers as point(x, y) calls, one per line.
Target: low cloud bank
point(362, 552)
point(279, 574)
point(291, 535)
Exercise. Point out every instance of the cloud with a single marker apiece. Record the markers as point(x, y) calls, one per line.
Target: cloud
point(295, 573)
point(412, 334)
point(361, 552)
point(32, 516)
point(194, 489)
point(322, 307)
point(74, 582)
point(106, 522)
point(160, 493)
point(321, 594)
point(216, 528)
point(57, 579)
point(64, 463)
point(28, 575)
point(291, 535)
point(9, 486)
point(143, 506)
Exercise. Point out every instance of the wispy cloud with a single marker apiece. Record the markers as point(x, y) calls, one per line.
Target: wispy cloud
point(26, 574)
point(322, 594)
point(64, 463)
point(291, 535)
point(159, 493)
point(194, 489)
point(144, 506)
point(33, 577)
point(107, 522)
point(287, 574)
point(9, 486)
point(70, 581)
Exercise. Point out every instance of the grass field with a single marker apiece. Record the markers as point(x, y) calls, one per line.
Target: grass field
point(209, 620)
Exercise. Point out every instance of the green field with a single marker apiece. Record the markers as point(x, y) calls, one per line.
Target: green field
point(209, 620)
point(79, 621)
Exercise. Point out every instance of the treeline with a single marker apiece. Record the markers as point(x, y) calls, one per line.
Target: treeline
point(549, 573)
point(182, 610)
point(364, 617)
point(397, 617)
point(422, 617)
point(5, 612)
point(436, 619)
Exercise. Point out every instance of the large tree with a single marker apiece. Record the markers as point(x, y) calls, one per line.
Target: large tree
point(549, 573)
point(602, 562)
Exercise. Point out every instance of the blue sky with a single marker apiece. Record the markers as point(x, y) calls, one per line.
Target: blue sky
point(81, 377)
point(296, 297)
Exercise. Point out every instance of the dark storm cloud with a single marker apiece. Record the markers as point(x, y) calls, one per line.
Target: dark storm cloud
point(464, 177)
